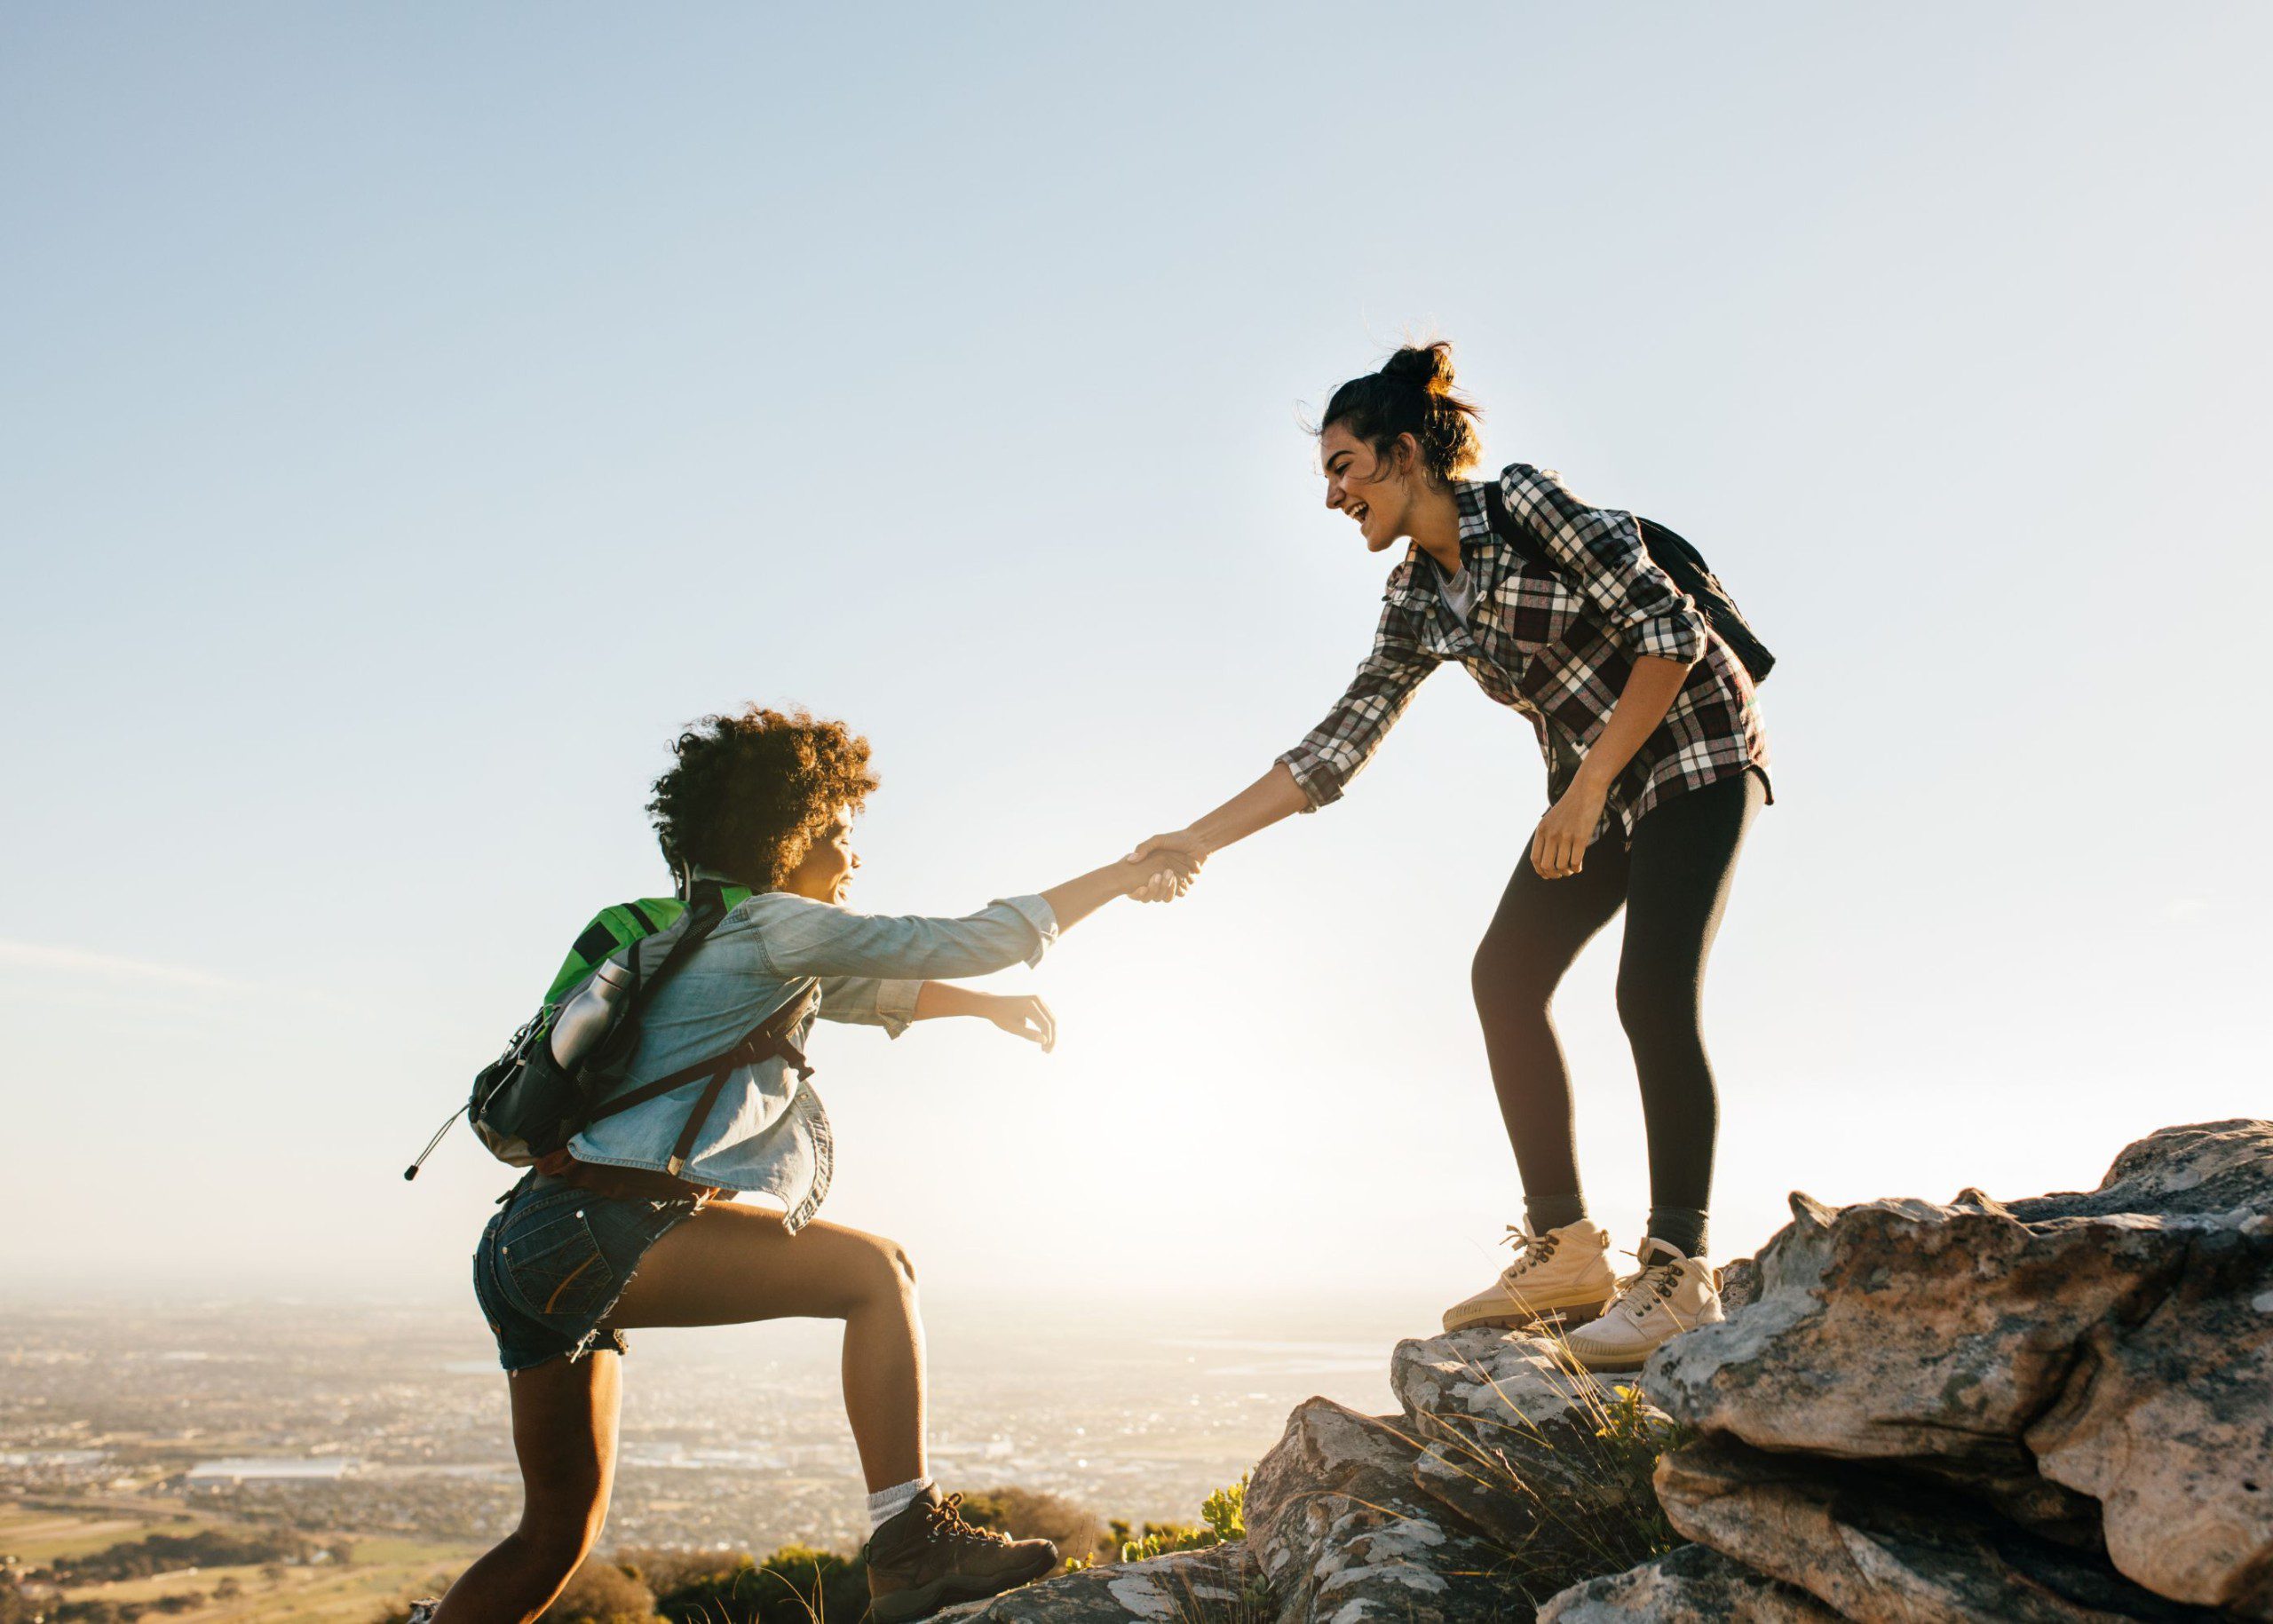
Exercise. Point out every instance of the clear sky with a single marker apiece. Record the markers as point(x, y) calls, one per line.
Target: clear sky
point(411, 414)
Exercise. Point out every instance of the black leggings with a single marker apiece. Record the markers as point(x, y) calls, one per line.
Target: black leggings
point(1673, 882)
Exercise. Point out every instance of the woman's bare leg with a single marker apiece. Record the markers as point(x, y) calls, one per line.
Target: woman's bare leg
point(563, 1433)
point(729, 1265)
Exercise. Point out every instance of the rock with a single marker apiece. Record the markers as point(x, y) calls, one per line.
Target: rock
point(2050, 1411)
point(1557, 1504)
point(2077, 1368)
point(2168, 1424)
point(1507, 1472)
point(2209, 1168)
point(1904, 1330)
point(1739, 1284)
point(1342, 1534)
point(1184, 1586)
point(1693, 1584)
point(1523, 1445)
point(1879, 1550)
point(1494, 1376)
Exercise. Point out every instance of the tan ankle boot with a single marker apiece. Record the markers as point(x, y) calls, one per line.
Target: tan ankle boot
point(1671, 1295)
point(1563, 1276)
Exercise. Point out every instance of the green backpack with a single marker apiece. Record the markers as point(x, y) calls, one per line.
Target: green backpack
point(525, 1104)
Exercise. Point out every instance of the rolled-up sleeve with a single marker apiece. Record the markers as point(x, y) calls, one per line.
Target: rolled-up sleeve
point(870, 1001)
point(1037, 912)
point(1337, 750)
point(802, 938)
point(1601, 548)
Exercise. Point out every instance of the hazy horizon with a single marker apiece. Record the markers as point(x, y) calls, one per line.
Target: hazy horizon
point(415, 414)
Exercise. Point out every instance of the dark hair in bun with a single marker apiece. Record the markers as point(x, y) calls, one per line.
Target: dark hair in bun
point(1410, 394)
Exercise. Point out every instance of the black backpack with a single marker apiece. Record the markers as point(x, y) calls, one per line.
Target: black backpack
point(1670, 553)
point(525, 1105)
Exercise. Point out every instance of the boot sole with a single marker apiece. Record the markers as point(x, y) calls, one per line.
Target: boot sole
point(1516, 1318)
point(904, 1606)
point(1624, 1364)
point(1611, 1364)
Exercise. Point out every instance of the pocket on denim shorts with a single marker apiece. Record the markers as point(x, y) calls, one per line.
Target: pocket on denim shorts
point(556, 1268)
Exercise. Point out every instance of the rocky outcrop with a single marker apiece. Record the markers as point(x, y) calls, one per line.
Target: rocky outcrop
point(2050, 1411)
point(1182, 1587)
point(1341, 1531)
point(2055, 1408)
point(1880, 1548)
point(1693, 1584)
point(1505, 1474)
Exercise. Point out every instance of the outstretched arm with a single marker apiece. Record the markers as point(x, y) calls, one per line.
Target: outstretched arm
point(869, 1000)
point(1076, 899)
point(803, 938)
point(1022, 1015)
point(1274, 795)
point(1314, 772)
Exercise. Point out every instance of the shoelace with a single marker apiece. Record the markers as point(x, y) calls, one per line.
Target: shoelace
point(1640, 1292)
point(1530, 1250)
point(945, 1521)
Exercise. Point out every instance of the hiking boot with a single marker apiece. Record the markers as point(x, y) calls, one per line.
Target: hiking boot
point(420, 1611)
point(928, 1558)
point(1671, 1293)
point(1560, 1278)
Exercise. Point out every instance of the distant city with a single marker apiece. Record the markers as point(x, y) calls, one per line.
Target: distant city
point(391, 1421)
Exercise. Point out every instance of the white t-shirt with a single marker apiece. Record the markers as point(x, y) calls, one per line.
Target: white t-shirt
point(1458, 591)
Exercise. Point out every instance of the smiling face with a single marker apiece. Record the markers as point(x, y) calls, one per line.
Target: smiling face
point(824, 872)
point(1376, 490)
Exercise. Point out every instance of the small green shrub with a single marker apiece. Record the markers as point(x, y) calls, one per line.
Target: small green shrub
point(1226, 1512)
point(665, 1569)
point(1222, 1519)
point(795, 1585)
point(1160, 1539)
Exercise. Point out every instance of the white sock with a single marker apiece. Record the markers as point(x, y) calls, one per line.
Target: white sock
point(885, 1504)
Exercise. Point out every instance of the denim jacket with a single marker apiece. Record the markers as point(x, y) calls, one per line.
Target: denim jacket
point(767, 1132)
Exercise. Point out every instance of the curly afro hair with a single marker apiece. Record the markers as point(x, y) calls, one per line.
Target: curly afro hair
point(751, 790)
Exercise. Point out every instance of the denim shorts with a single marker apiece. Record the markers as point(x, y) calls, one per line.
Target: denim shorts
point(554, 1260)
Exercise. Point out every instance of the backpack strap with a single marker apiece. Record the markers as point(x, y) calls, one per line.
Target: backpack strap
point(1673, 554)
point(1519, 537)
point(770, 1039)
point(698, 1113)
point(701, 919)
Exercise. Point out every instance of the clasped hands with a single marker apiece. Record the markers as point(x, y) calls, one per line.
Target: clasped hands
point(1171, 862)
point(1169, 865)
point(1161, 868)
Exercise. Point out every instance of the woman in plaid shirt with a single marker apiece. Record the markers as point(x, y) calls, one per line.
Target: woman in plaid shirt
point(1655, 766)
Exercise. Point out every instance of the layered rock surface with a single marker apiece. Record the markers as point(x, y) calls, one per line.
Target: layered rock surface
point(1693, 1584)
point(2058, 1408)
point(2050, 1411)
point(1504, 1474)
point(1181, 1588)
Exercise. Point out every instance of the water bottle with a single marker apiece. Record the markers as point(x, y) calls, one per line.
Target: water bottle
point(581, 1025)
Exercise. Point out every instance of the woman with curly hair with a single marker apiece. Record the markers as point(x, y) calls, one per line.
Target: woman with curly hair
point(1656, 764)
point(623, 1227)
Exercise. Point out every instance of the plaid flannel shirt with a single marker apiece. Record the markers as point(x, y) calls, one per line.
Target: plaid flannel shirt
point(1555, 645)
